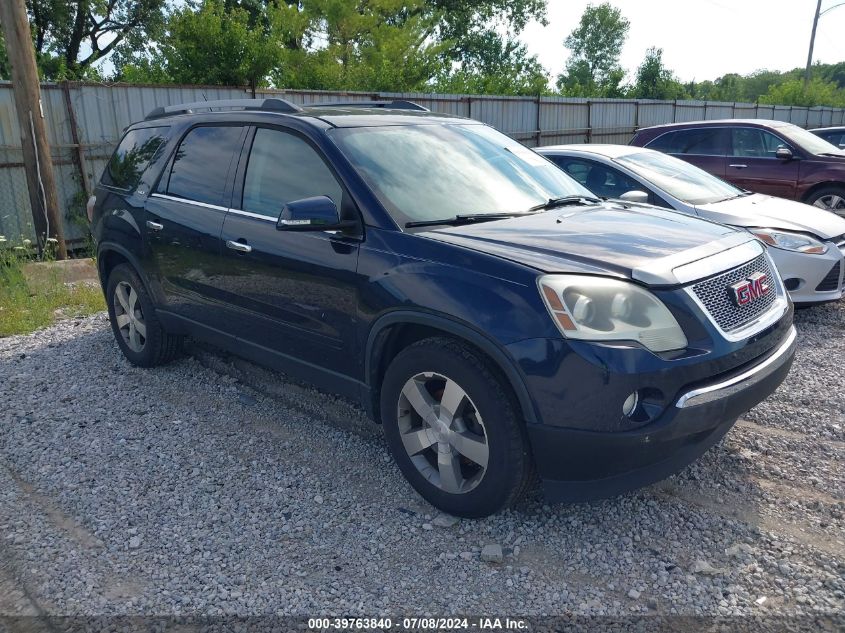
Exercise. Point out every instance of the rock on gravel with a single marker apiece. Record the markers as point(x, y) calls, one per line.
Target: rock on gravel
point(445, 521)
point(213, 467)
point(492, 553)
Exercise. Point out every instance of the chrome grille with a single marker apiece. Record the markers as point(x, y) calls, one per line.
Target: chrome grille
point(715, 294)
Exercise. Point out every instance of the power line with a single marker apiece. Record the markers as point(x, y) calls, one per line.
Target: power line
point(831, 8)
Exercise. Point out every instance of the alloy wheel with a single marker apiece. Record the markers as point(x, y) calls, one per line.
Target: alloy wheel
point(831, 202)
point(129, 317)
point(442, 432)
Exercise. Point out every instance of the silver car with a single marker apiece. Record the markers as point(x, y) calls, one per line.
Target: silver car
point(806, 243)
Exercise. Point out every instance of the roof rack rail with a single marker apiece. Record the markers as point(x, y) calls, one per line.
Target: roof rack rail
point(395, 104)
point(271, 105)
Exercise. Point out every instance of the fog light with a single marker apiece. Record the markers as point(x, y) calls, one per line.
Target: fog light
point(792, 283)
point(630, 404)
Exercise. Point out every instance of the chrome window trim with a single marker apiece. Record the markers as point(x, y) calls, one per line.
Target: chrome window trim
point(255, 216)
point(764, 320)
point(273, 221)
point(216, 207)
point(196, 203)
point(703, 395)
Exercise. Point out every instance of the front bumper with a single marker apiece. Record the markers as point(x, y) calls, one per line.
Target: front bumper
point(810, 273)
point(578, 465)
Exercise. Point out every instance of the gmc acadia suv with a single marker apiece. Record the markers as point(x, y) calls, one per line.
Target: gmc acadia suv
point(484, 307)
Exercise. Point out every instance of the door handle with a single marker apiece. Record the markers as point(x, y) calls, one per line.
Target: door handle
point(238, 246)
point(154, 226)
point(739, 166)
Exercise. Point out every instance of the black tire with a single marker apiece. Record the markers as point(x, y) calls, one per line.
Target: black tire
point(827, 192)
point(509, 468)
point(158, 346)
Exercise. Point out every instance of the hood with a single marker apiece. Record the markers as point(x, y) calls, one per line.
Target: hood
point(604, 239)
point(775, 213)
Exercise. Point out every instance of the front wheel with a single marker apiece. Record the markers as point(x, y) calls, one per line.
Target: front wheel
point(453, 429)
point(830, 199)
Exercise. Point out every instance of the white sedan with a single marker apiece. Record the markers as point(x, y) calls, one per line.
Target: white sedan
point(806, 243)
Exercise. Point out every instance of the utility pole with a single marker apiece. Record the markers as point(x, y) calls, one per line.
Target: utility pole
point(819, 13)
point(38, 162)
point(812, 44)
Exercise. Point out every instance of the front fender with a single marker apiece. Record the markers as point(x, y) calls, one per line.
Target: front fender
point(461, 330)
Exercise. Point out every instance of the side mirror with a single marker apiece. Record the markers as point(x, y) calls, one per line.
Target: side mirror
point(783, 153)
point(311, 214)
point(635, 196)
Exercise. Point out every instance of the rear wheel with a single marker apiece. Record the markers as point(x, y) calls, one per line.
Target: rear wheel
point(453, 430)
point(137, 330)
point(829, 198)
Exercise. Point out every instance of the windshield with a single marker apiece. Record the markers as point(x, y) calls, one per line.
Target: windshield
point(808, 141)
point(432, 172)
point(678, 178)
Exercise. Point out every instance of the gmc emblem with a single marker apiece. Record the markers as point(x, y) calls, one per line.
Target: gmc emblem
point(750, 289)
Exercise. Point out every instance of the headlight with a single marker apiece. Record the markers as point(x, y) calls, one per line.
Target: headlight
point(602, 309)
point(791, 241)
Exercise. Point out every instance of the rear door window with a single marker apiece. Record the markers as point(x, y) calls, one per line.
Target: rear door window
point(696, 141)
point(136, 150)
point(201, 165)
point(284, 167)
point(602, 180)
point(837, 138)
point(577, 169)
point(608, 182)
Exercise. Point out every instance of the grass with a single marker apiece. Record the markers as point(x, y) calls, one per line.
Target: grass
point(26, 307)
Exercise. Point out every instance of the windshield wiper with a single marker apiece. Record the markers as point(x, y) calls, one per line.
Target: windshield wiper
point(739, 195)
point(468, 218)
point(564, 201)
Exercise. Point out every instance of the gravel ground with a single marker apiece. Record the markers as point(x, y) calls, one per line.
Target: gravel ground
point(211, 486)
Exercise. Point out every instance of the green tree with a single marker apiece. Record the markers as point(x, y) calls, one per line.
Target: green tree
point(215, 44)
point(478, 31)
point(389, 45)
point(596, 43)
point(363, 45)
point(817, 93)
point(655, 81)
point(71, 36)
point(492, 64)
point(750, 88)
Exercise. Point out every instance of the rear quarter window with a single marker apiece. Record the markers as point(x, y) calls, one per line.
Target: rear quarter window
point(696, 141)
point(134, 153)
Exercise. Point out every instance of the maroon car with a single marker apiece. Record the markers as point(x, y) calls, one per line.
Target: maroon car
point(772, 157)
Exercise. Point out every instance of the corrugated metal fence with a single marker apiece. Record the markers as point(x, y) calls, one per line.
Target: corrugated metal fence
point(85, 120)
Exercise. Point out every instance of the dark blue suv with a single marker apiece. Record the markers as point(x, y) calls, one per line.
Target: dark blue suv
point(487, 310)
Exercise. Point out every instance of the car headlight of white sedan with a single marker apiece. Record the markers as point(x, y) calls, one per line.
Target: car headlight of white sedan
point(791, 241)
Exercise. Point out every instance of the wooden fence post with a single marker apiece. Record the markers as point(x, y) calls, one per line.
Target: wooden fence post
point(79, 151)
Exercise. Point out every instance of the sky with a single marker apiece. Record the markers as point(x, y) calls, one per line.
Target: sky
point(704, 39)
